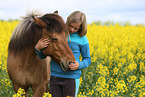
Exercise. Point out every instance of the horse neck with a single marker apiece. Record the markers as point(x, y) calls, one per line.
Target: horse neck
point(28, 54)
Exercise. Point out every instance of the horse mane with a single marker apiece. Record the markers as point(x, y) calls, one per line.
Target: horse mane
point(27, 33)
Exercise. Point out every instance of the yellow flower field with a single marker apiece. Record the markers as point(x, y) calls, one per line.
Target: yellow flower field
point(117, 68)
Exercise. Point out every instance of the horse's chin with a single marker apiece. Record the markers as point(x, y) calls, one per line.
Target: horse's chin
point(64, 68)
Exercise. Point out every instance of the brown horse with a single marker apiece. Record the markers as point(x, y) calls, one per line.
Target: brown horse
point(25, 68)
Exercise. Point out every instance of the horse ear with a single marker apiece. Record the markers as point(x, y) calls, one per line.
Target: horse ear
point(56, 12)
point(39, 22)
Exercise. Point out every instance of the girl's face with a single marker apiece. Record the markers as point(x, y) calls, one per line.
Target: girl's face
point(74, 27)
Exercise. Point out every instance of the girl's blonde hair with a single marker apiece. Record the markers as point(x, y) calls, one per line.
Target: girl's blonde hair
point(77, 17)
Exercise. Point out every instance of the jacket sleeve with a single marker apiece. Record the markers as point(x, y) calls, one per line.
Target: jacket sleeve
point(40, 54)
point(86, 59)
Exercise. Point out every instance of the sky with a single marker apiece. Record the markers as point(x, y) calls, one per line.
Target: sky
point(132, 11)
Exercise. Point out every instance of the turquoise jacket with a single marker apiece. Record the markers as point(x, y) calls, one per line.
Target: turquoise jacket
point(79, 46)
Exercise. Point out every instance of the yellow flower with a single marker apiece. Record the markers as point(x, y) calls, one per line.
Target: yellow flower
point(115, 70)
point(103, 70)
point(48, 95)
point(132, 66)
point(131, 78)
point(121, 86)
point(19, 93)
point(142, 66)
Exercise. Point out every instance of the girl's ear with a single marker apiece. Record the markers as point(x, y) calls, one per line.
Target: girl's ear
point(39, 22)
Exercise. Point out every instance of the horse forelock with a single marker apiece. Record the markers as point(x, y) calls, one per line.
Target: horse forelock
point(55, 23)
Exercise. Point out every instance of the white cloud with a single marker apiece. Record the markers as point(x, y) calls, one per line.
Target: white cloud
point(117, 10)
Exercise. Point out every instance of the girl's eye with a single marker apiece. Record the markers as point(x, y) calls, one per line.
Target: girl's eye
point(74, 27)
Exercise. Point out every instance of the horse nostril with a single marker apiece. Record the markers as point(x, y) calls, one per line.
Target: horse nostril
point(69, 63)
point(63, 65)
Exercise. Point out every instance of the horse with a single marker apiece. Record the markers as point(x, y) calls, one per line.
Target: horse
point(25, 69)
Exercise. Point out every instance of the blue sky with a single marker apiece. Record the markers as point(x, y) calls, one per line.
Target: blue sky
point(104, 10)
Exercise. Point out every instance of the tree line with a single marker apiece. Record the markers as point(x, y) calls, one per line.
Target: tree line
point(108, 23)
point(99, 22)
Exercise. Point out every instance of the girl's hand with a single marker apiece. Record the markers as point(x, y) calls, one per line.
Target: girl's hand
point(42, 43)
point(74, 65)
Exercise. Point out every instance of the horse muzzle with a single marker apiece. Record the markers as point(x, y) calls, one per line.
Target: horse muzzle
point(66, 67)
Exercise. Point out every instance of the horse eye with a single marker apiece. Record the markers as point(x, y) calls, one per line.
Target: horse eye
point(53, 39)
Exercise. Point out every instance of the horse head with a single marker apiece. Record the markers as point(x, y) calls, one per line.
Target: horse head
point(58, 49)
